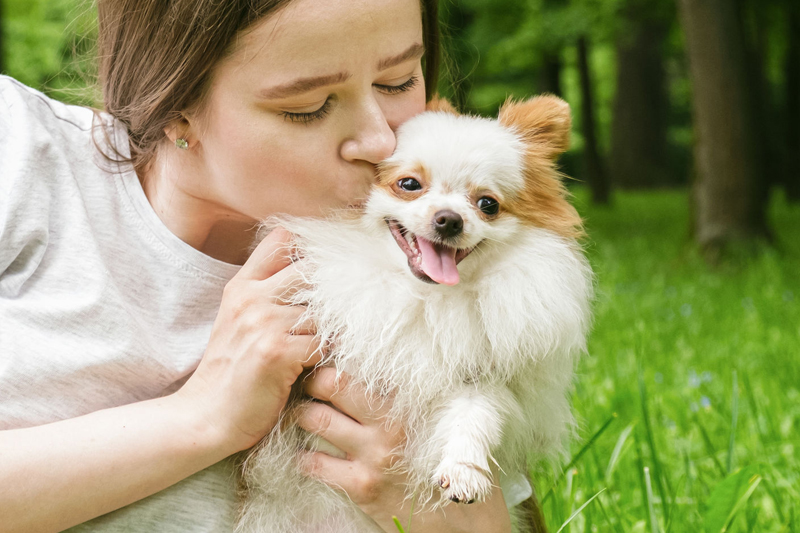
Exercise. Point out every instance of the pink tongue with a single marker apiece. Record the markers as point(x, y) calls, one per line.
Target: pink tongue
point(438, 262)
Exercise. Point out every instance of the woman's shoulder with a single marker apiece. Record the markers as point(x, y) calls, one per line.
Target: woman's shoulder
point(48, 161)
point(21, 106)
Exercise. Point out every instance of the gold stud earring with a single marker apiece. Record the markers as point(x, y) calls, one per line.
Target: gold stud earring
point(182, 143)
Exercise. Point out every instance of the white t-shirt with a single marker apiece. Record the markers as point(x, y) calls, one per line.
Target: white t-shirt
point(100, 304)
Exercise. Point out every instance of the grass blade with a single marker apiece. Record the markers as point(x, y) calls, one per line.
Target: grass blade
point(612, 462)
point(710, 446)
point(576, 513)
point(741, 502)
point(578, 456)
point(398, 525)
point(658, 470)
point(650, 506)
point(734, 417)
point(615, 527)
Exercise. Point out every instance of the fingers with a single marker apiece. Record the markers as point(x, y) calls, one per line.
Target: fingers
point(272, 255)
point(333, 426)
point(285, 284)
point(304, 326)
point(351, 399)
point(361, 484)
point(307, 347)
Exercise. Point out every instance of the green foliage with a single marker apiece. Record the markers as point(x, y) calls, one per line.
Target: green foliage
point(50, 44)
point(663, 314)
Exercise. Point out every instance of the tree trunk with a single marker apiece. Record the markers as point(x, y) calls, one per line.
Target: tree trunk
point(639, 124)
point(767, 122)
point(728, 206)
point(792, 180)
point(593, 166)
point(550, 74)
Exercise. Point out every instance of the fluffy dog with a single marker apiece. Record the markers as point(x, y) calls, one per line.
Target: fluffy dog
point(460, 292)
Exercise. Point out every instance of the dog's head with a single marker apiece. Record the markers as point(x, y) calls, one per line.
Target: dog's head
point(456, 181)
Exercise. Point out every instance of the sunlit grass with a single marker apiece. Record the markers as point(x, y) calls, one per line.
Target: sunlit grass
point(701, 366)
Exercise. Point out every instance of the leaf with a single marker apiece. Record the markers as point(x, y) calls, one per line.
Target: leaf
point(728, 497)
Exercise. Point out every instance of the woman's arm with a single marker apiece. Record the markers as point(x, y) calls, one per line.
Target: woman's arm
point(361, 432)
point(61, 474)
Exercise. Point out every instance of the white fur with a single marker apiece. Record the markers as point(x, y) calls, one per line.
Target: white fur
point(479, 372)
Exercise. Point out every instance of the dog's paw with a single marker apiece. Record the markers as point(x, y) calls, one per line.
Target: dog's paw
point(462, 482)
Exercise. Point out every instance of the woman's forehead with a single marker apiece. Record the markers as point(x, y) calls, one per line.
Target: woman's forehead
point(325, 37)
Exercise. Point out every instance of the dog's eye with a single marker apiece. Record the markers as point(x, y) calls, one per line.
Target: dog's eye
point(488, 205)
point(409, 184)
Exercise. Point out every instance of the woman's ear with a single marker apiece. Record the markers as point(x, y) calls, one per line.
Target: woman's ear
point(180, 130)
point(542, 121)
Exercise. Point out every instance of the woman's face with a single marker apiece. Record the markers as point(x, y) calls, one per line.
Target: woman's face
point(300, 113)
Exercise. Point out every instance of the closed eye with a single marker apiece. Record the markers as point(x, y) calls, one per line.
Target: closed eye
point(403, 87)
point(311, 116)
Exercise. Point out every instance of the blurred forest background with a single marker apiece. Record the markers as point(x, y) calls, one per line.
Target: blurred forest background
point(686, 166)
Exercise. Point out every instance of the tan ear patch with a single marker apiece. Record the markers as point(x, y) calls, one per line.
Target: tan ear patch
point(543, 122)
point(438, 103)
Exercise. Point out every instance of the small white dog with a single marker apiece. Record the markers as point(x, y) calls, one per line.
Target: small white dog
point(460, 292)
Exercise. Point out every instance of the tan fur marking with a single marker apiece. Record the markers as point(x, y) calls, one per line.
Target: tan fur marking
point(543, 123)
point(438, 103)
point(389, 175)
point(476, 193)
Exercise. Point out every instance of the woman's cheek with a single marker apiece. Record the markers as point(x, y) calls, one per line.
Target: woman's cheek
point(400, 109)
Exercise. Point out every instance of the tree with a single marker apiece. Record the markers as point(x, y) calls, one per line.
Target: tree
point(727, 203)
point(593, 166)
point(639, 124)
point(792, 70)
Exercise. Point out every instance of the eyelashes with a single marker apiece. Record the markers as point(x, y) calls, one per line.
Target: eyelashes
point(325, 109)
point(305, 118)
point(395, 89)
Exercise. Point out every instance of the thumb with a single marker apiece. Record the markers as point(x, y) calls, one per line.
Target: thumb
point(272, 255)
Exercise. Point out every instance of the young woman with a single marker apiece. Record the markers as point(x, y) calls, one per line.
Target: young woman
point(136, 354)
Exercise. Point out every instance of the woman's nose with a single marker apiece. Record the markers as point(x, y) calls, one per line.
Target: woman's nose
point(373, 139)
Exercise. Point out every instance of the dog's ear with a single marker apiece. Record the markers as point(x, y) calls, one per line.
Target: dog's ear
point(543, 121)
point(438, 103)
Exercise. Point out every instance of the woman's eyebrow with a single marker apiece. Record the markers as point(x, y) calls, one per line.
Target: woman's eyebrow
point(415, 51)
point(303, 85)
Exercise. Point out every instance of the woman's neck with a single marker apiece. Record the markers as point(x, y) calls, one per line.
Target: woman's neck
point(199, 222)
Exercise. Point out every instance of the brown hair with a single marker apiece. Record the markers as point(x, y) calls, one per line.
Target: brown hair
point(156, 58)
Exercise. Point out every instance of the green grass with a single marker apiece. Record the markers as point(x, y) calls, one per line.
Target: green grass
point(700, 365)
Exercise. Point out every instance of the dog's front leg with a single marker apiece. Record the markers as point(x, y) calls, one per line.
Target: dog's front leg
point(469, 428)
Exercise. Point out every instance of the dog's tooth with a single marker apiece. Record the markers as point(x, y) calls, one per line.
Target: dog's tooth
point(444, 482)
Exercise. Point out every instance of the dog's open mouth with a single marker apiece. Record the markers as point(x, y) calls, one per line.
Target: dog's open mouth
point(430, 261)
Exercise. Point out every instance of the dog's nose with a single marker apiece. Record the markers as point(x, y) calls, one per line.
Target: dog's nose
point(448, 223)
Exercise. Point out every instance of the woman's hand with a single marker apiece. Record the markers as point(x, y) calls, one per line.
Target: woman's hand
point(256, 351)
point(359, 429)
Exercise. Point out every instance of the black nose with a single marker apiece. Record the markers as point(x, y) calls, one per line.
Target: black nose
point(448, 223)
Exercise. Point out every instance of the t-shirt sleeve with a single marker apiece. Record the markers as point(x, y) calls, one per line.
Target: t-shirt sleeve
point(24, 197)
